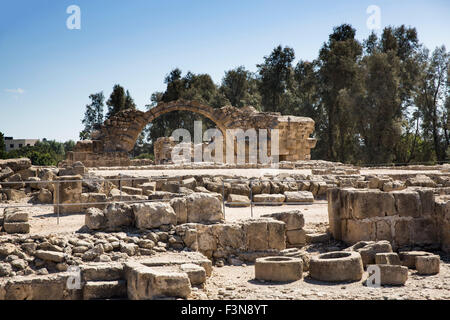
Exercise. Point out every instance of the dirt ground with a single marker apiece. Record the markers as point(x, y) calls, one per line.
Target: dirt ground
point(43, 221)
point(237, 282)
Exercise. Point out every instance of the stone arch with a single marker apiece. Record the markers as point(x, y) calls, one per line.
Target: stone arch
point(119, 133)
point(112, 141)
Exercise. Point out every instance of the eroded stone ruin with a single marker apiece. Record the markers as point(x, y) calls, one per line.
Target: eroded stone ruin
point(111, 143)
point(147, 236)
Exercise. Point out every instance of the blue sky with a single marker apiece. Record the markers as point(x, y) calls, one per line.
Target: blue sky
point(48, 71)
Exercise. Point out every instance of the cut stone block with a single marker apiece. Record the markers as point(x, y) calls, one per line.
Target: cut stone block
point(104, 289)
point(16, 227)
point(391, 258)
point(427, 265)
point(196, 273)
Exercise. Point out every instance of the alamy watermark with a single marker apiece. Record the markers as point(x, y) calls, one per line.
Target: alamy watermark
point(74, 20)
point(238, 146)
point(373, 22)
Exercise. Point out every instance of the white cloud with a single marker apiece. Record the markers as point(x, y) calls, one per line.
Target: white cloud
point(18, 90)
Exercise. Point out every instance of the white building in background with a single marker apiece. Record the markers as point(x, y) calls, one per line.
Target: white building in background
point(14, 144)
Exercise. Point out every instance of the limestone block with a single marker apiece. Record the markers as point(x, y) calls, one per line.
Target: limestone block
point(293, 219)
point(180, 208)
point(16, 227)
point(357, 230)
point(45, 196)
point(363, 204)
point(269, 199)
point(148, 283)
point(118, 215)
point(195, 273)
point(296, 237)
point(70, 189)
point(393, 275)
point(104, 289)
point(299, 196)
point(408, 203)
point(427, 265)
point(408, 258)
point(95, 219)
point(153, 214)
point(391, 258)
point(203, 207)
point(236, 200)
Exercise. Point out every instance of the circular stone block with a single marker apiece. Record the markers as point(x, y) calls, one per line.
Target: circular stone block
point(336, 266)
point(279, 269)
point(427, 264)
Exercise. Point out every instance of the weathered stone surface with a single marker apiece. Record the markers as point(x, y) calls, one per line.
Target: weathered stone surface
point(317, 237)
point(16, 227)
point(299, 196)
point(421, 181)
point(196, 273)
point(94, 200)
point(148, 187)
point(132, 191)
point(236, 200)
point(16, 164)
point(393, 275)
point(104, 289)
point(203, 207)
point(118, 215)
point(190, 183)
point(102, 271)
point(13, 195)
point(391, 258)
point(296, 237)
point(368, 250)
point(264, 234)
point(45, 196)
point(180, 208)
point(148, 283)
point(15, 215)
point(44, 287)
point(6, 173)
point(408, 258)
point(279, 269)
point(427, 265)
point(153, 214)
point(95, 219)
point(50, 255)
point(69, 194)
point(269, 199)
point(293, 219)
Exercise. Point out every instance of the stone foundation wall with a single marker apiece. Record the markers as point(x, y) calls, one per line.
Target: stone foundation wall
point(406, 217)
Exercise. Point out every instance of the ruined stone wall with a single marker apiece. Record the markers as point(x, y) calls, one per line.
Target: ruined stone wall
point(406, 217)
point(117, 136)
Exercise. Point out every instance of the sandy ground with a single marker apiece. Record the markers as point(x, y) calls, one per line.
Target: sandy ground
point(237, 282)
point(44, 221)
point(314, 213)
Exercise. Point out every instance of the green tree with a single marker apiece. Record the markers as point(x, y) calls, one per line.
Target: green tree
point(276, 78)
point(2, 146)
point(340, 86)
point(119, 100)
point(433, 100)
point(198, 87)
point(93, 116)
point(240, 88)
